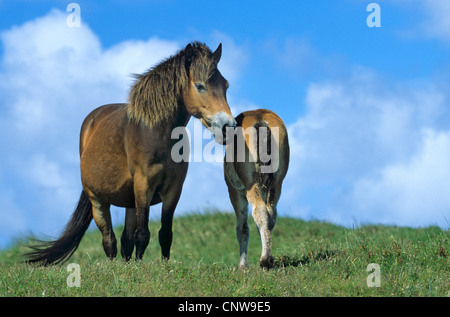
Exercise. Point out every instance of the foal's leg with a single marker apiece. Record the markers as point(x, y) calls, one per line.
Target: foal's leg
point(127, 239)
point(265, 218)
point(240, 206)
point(102, 217)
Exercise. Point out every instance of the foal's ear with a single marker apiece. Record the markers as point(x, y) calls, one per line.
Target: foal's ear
point(217, 54)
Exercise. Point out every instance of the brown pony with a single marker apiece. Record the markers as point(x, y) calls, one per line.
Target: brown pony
point(255, 165)
point(125, 153)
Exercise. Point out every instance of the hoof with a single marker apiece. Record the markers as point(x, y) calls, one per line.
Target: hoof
point(266, 263)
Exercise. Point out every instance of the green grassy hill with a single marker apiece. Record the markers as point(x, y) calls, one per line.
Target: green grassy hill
point(312, 259)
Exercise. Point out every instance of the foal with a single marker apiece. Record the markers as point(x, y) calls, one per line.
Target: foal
point(255, 165)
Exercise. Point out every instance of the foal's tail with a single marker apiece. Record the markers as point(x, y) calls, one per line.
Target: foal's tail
point(264, 154)
point(61, 250)
point(263, 142)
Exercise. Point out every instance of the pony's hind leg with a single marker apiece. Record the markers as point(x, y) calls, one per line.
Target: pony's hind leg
point(127, 239)
point(102, 217)
point(240, 206)
point(265, 217)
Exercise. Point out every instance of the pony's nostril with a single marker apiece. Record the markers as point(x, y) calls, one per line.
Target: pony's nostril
point(228, 132)
point(224, 129)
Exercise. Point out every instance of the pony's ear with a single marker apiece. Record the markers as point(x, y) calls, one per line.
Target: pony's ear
point(188, 56)
point(217, 54)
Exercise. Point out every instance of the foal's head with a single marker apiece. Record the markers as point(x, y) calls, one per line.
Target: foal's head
point(205, 93)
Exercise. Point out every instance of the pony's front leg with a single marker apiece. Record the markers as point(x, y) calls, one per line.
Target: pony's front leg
point(165, 234)
point(143, 196)
point(127, 239)
point(142, 234)
point(265, 222)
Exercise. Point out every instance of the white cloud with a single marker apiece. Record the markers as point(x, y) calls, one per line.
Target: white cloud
point(410, 192)
point(49, 176)
point(64, 71)
point(362, 145)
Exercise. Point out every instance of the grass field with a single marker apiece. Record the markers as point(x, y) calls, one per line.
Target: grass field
point(312, 259)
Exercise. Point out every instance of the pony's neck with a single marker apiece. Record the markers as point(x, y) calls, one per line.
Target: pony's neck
point(181, 118)
point(156, 96)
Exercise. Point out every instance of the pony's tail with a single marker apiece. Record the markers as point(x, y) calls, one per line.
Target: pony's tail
point(264, 144)
point(61, 250)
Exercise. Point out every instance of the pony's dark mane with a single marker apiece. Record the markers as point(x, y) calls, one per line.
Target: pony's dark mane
point(156, 95)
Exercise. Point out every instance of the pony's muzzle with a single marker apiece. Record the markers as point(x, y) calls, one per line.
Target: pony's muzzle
point(220, 124)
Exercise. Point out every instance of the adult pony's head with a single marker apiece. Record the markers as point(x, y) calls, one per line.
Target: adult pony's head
point(205, 95)
point(188, 81)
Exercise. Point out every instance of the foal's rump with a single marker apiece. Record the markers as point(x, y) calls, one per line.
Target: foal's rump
point(259, 153)
point(266, 144)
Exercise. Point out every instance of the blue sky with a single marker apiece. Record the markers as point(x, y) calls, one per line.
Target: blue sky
point(368, 109)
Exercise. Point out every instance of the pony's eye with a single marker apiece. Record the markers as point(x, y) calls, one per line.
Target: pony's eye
point(200, 87)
